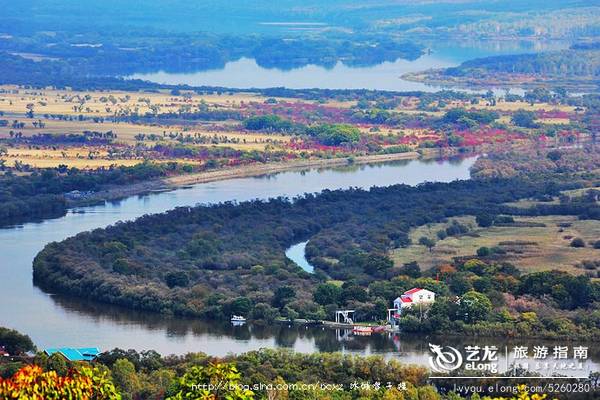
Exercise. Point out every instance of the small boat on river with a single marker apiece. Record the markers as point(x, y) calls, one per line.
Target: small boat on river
point(362, 330)
point(238, 320)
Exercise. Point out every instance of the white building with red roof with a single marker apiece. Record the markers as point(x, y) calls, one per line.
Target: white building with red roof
point(418, 296)
point(412, 297)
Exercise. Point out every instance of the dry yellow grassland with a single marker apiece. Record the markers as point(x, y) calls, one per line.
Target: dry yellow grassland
point(78, 157)
point(14, 103)
point(530, 248)
point(88, 103)
point(554, 121)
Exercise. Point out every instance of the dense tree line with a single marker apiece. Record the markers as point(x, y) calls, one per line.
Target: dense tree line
point(15, 342)
point(487, 297)
point(86, 138)
point(327, 134)
point(345, 134)
point(41, 193)
point(268, 366)
point(538, 162)
point(264, 374)
point(204, 115)
point(272, 123)
point(566, 64)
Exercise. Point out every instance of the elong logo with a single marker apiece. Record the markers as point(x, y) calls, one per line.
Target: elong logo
point(444, 361)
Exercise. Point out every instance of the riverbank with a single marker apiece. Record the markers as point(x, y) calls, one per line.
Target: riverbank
point(174, 182)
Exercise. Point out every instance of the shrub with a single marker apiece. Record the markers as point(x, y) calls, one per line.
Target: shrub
point(577, 242)
point(177, 278)
point(484, 251)
point(241, 306)
point(524, 119)
point(427, 242)
point(484, 220)
point(57, 363)
point(335, 134)
point(554, 155)
point(411, 269)
point(456, 228)
point(474, 306)
point(268, 123)
point(264, 312)
point(226, 376)
point(505, 219)
point(327, 293)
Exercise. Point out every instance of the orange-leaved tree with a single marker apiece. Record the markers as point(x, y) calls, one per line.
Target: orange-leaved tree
point(82, 383)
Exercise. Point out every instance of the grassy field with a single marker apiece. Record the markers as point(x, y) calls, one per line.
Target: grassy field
point(103, 106)
point(528, 203)
point(96, 111)
point(124, 131)
point(79, 157)
point(554, 121)
point(101, 103)
point(520, 105)
point(530, 248)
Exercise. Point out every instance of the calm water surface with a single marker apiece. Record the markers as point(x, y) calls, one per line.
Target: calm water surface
point(246, 73)
point(53, 320)
point(297, 253)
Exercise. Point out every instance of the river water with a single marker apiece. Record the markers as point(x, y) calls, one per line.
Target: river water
point(297, 253)
point(54, 321)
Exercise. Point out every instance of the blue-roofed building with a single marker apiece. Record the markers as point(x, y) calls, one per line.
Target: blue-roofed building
point(75, 354)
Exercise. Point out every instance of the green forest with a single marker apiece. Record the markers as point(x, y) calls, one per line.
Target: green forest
point(576, 68)
point(214, 261)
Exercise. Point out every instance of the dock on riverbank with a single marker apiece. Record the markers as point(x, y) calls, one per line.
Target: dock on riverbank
point(358, 327)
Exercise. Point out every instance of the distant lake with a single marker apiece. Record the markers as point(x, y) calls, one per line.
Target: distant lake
point(245, 73)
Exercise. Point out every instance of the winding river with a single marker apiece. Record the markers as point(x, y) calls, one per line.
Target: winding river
point(53, 320)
